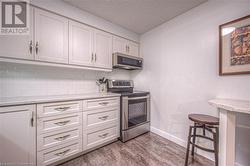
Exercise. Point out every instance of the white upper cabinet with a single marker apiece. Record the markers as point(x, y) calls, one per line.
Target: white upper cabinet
point(125, 46)
point(18, 46)
point(133, 49)
point(51, 37)
point(18, 135)
point(59, 41)
point(103, 49)
point(119, 45)
point(80, 44)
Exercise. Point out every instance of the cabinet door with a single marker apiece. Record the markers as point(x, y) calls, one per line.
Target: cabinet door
point(51, 37)
point(103, 49)
point(18, 46)
point(80, 44)
point(119, 45)
point(133, 49)
point(17, 135)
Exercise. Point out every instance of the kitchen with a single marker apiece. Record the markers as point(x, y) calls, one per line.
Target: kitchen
point(47, 77)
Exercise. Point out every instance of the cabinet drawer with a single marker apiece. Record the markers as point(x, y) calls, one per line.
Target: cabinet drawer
point(59, 108)
point(99, 137)
point(53, 139)
point(52, 155)
point(50, 124)
point(99, 117)
point(100, 103)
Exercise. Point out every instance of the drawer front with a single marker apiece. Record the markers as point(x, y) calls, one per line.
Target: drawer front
point(50, 124)
point(53, 139)
point(59, 108)
point(50, 156)
point(99, 137)
point(99, 117)
point(100, 103)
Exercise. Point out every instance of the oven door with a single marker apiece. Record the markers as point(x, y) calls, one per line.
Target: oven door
point(135, 111)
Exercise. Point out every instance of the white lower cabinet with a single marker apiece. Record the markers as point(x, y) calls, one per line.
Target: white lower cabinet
point(101, 121)
point(59, 131)
point(45, 134)
point(98, 136)
point(49, 140)
point(57, 153)
point(59, 122)
point(18, 135)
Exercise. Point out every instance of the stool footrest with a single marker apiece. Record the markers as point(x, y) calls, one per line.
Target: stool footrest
point(202, 148)
point(202, 136)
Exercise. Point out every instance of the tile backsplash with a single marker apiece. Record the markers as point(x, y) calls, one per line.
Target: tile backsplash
point(28, 80)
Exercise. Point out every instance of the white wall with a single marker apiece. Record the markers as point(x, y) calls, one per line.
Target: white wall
point(181, 67)
point(60, 7)
point(27, 80)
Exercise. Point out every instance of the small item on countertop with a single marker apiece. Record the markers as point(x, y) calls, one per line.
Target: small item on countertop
point(102, 83)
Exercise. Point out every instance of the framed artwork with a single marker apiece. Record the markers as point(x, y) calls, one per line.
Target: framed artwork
point(234, 47)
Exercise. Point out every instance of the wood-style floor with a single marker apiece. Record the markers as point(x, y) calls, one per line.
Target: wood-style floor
point(146, 150)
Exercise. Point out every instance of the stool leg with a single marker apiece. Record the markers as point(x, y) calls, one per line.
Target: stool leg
point(194, 137)
point(188, 145)
point(204, 131)
point(215, 137)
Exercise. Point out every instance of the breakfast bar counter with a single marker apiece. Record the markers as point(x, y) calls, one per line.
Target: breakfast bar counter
point(228, 109)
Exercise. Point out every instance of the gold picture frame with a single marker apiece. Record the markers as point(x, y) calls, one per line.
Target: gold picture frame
point(234, 47)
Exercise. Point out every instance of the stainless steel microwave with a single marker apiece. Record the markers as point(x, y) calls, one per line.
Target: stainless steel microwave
point(127, 62)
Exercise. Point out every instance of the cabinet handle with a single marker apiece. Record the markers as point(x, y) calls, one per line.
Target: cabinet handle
point(95, 57)
point(128, 49)
point(37, 47)
point(104, 103)
point(62, 153)
point(32, 119)
point(62, 138)
point(61, 109)
point(103, 135)
point(92, 57)
point(62, 123)
point(103, 117)
point(30, 47)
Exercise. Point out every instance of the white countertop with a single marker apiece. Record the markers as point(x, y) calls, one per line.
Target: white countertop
point(242, 106)
point(11, 101)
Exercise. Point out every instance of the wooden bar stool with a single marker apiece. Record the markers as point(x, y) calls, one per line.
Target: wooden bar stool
point(207, 123)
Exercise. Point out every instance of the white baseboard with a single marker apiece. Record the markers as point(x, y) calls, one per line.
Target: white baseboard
point(176, 140)
point(168, 136)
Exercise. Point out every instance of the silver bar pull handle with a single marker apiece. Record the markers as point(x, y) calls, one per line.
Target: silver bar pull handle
point(62, 153)
point(103, 117)
point(104, 103)
point(92, 57)
point(62, 123)
point(104, 135)
point(62, 137)
point(61, 109)
point(32, 119)
point(95, 57)
point(31, 47)
point(37, 47)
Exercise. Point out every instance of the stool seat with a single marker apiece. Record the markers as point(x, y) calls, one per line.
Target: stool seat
point(204, 119)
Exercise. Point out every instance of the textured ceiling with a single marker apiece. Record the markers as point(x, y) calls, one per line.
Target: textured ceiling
point(138, 16)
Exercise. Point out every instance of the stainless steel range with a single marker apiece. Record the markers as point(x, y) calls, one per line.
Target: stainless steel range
point(135, 109)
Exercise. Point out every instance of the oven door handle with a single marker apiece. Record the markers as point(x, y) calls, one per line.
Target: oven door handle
point(138, 98)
